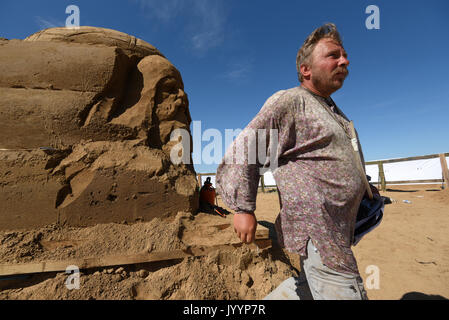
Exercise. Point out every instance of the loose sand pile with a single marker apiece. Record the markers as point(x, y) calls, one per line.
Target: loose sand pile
point(239, 272)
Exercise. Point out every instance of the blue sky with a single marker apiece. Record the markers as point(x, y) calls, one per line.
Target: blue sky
point(234, 54)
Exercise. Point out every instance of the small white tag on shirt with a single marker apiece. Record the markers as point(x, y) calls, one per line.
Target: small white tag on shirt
point(355, 144)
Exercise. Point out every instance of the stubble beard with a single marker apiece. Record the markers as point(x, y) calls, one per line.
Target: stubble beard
point(329, 84)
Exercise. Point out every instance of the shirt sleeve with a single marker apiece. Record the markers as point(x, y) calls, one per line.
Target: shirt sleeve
point(255, 150)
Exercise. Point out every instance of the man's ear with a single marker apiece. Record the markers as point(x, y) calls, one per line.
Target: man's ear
point(305, 71)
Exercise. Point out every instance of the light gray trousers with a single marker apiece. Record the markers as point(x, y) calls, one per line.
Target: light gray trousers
point(319, 283)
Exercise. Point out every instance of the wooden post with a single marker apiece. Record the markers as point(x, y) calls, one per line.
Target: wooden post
point(262, 241)
point(199, 180)
point(383, 183)
point(262, 183)
point(445, 170)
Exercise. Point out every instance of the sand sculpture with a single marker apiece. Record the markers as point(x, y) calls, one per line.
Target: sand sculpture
point(85, 137)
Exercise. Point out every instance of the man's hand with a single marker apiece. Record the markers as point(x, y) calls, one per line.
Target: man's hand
point(245, 225)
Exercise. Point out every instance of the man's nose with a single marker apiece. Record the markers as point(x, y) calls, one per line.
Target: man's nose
point(343, 61)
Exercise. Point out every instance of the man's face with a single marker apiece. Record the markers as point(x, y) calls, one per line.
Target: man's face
point(328, 66)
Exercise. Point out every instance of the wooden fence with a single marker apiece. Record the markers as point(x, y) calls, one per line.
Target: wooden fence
point(382, 182)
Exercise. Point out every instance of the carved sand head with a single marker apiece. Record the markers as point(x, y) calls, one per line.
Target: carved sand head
point(165, 81)
point(164, 98)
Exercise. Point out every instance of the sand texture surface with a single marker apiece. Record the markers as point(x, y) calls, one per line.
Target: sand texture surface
point(232, 271)
point(409, 251)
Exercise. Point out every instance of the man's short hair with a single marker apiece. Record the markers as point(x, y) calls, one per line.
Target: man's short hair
point(329, 30)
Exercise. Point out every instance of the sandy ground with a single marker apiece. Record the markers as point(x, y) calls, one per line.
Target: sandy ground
point(409, 250)
point(231, 271)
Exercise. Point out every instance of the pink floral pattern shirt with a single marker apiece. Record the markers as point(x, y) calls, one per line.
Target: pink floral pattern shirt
point(315, 171)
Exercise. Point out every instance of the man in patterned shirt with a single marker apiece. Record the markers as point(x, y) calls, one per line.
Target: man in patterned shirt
point(312, 159)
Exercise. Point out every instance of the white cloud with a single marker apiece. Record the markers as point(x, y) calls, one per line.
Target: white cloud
point(238, 71)
point(388, 103)
point(48, 23)
point(209, 27)
point(205, 40)
point(202, 22)
point(162, 10)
